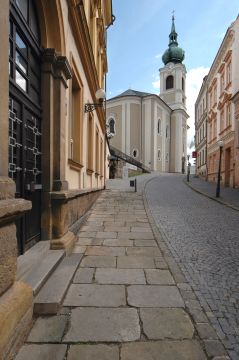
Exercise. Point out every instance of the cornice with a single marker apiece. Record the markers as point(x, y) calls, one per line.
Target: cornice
point(78, 22)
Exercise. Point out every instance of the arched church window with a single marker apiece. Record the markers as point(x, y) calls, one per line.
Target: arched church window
point(183, 84)
point(167, 131)
point(169, 82)
point(112, 126)
point(159, 154)
point(159, 126)
point(135, 153)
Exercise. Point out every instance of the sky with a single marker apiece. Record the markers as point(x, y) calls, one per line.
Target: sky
point(139, 37)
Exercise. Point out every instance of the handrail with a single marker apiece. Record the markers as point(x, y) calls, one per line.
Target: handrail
point(119, 154)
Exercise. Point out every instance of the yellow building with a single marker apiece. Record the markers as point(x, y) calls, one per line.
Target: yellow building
point(52, 149)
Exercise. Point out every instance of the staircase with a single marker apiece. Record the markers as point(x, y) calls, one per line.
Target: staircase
point(49, 273)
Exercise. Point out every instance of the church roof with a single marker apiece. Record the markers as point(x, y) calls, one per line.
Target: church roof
point(131, 92)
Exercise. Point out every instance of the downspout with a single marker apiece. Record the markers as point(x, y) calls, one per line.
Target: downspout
point(141, 130)
point(106, 139)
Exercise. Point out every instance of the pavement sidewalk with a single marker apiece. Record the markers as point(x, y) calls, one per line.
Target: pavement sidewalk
point(128, 299)
point(228, 196)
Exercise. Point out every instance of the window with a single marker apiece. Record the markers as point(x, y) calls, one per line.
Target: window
point(222, 82)
point(229, 66)
point(159, 126)
point(169, 82)
point(97, 152)
point(228, 114)
point(183, 84)
point(159, 154)
point(166, 157)
point(111, 123)
point(135, 153)
point(215, 95)
point(167, 131)
point(90, 135)
point(76, 117)
point(101, 157)
point(222, 120)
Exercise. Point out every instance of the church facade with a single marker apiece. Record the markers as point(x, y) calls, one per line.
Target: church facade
point(153, 128)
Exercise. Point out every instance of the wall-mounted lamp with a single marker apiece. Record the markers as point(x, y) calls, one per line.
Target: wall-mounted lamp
point(100, 96)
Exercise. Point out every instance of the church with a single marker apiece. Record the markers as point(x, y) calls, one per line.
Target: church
point(152, 128)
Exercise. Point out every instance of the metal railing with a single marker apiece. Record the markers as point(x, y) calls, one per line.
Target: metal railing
point(119, 154)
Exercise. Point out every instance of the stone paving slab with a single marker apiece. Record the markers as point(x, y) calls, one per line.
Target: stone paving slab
point(44, 351)
point(105, 251)
point(88, 241)
point(172, 324)
point(106, 234)
point(135, 262)
point(99, 261)
point(93, 352)
point(117, 242)
point(84, 275)
point(79, 249)
point(160, 277)
point(154, 296)
point(48, 329)
point(120, 276)
point(144, 251)
point(145, 243)
point(103, 325)
point(163, 350)
point(136, 235)
point(95, 295)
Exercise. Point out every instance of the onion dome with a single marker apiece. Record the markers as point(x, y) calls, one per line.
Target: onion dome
point(174, 53)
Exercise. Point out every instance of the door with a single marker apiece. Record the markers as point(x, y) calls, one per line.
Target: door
point(25, 117)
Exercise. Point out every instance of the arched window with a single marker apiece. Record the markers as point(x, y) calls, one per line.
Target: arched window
point(159, 126)
point(159, 154)
point(169, 82)
point(167, 131)
point(112, 125)
point(183, 84)
point(135, 153)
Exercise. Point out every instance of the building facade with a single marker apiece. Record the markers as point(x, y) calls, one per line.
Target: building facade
point(151, 128)
point(201, 131)
point(52, 151)
point(222, 85)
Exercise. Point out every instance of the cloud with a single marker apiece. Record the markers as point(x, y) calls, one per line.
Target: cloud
point(156, 84)
point(157, 56)
point(193, 84)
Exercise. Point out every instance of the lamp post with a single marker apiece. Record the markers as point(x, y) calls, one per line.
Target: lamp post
point(220, 143)
point(188, 170)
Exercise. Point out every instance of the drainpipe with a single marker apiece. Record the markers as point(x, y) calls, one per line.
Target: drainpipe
point(106, 140)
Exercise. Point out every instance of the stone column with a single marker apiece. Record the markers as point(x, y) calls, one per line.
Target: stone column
point(15, 297)
point(55, 73)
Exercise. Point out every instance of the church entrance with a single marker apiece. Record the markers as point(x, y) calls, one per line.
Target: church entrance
point(25, 116)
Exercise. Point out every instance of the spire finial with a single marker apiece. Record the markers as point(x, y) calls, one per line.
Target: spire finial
point(173, 12)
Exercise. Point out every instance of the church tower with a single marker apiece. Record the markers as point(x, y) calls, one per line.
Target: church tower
point(172, 91)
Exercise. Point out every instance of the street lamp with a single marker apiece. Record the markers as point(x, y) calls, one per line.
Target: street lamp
point(100, 97)
point(188, 170)
point(220, 144)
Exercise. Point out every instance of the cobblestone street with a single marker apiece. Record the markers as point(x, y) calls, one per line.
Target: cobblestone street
point(203, 237)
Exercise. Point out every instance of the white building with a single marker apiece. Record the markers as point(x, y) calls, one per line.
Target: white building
point(151, 128)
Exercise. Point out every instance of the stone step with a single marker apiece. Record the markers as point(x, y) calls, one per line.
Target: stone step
point(36, 265)
point(52, 294)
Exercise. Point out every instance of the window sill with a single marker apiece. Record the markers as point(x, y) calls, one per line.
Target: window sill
point(75, 165)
